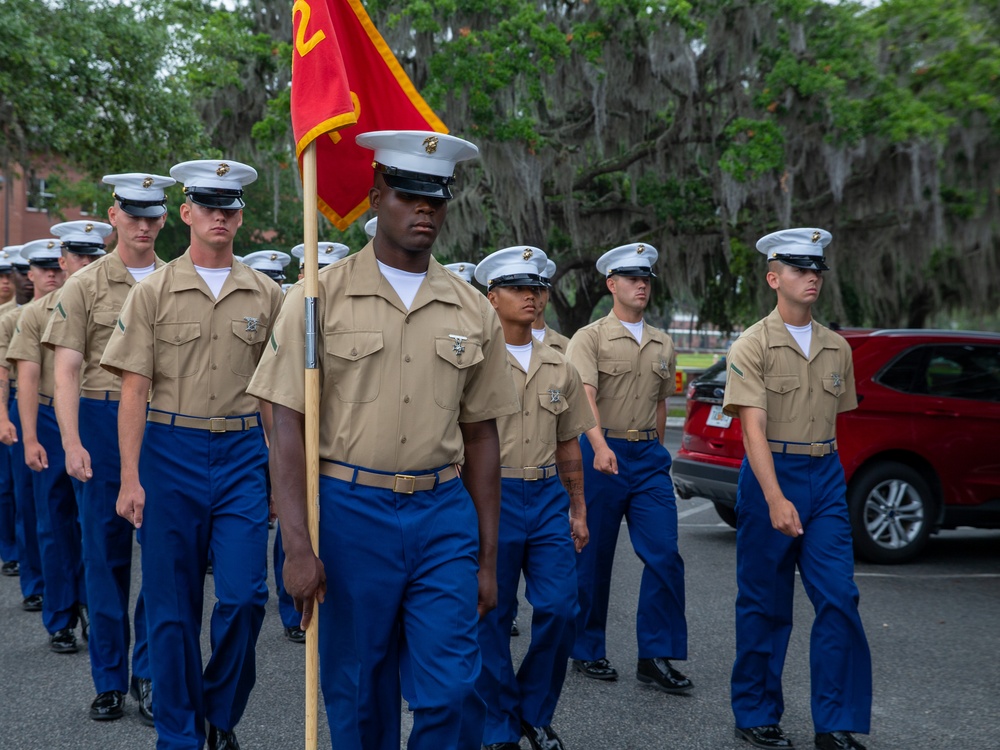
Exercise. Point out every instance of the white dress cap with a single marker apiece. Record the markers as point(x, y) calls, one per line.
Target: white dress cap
point(214, 183)
point(463, 270)
point(635, 259)
point(140, 194)
point(82, 237)
point(370, 226)
point(8, 256)
point(804, 247)
point(269, 262)
point(328, 252)
point(16, 257)
point(5, 265)
point(521, 265)
point(549, 272)
point(418, 161)
point(42, 253)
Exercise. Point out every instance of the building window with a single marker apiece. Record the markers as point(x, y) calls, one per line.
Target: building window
point(39, 198)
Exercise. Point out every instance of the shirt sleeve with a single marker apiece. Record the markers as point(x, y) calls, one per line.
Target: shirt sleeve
point(26, 343)
point(582, 352)
point(669, 384)
point(130, 348)
point(849, 399)
point(579, 417)
point(6, 333)
point(489, 391)
point(744, 376)
point(67, 325)
point(279, 378)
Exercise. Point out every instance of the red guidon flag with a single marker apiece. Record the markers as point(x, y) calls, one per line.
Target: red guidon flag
point(346, 81)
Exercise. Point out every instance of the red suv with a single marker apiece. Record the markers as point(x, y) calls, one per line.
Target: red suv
point(920, 453)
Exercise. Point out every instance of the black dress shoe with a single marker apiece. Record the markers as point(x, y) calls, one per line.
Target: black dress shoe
point(659, 673)
point(837, 741)
point(599, 669)
point(84, 615)
point(32, 603)
point(63, 642)
point(108, 706)
point(514, 629)
point(220, 739)
point(767, 736)
point(542, 738)
point(141, 690)
point(12, 568)
point(295, 634)
point(503, 746)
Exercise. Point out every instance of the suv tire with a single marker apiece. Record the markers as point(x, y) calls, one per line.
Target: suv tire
point(726, 513)
point(892, 512)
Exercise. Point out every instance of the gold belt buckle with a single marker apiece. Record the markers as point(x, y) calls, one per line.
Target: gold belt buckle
point(404, 478)
point(531, 474)
point(217, 424)
point(816, 450)
point(632, 436)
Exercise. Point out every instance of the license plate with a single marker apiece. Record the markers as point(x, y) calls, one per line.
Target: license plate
point(717, 419)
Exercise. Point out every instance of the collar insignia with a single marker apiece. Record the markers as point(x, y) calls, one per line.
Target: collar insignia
point(251, 324)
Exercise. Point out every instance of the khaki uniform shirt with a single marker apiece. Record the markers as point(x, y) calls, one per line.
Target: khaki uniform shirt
point(395, 384)
point(630, 379)
point(8, 320)
point(198, 351)
point(555, 340)
point(26, 343)
point(554, 408)
point(86, 315)
point(802, 395)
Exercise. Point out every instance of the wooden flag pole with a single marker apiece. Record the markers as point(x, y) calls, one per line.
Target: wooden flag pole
point(311, 261)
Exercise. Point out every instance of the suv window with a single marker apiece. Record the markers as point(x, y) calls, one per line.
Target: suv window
point(968, 371)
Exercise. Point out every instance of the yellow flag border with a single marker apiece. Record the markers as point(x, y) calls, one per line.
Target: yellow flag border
point(327, 126)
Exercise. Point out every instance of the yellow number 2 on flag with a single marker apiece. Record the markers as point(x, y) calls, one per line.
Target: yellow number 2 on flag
point(302, 45)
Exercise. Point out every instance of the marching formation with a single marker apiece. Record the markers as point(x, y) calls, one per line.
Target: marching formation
point(462, 444)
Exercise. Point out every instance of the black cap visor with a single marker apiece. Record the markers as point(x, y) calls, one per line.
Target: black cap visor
point(47, 264)
point(811, 262)
point(278, 276)
point(224, 198)
point(6, 269)
point(416, 183)
point(142, 209)
point(640, 271)
point(517, 279)
point(83, 248)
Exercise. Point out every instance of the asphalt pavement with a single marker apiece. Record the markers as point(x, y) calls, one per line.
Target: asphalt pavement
point(933, 627)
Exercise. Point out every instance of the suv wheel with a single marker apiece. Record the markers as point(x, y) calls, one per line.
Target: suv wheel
point(892, 512)
point(726, 513)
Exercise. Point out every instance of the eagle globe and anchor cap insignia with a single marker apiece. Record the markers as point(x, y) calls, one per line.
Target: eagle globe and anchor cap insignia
point(640, 250)
point(147, 182)
point(89, 228)
point(527, 254)
point(430, 144)
point(816, 236)
point(222, 170)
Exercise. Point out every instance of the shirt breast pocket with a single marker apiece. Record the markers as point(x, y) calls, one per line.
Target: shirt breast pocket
point(612, 383)
point(354, 369)
point(248, 340)
point(832, 388)
point(661, 372)
point(783, 397)
point(176, 348)
point(549, 416)
point(452, 369)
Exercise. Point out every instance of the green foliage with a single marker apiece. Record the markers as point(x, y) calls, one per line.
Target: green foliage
point(755, 148)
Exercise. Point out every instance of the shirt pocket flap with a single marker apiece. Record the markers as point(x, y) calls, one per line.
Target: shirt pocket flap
point(781, 383)
point(554, 403)
point(448, 349)
point(661, 369)
point(105, 317)
point(833, 385)
point(177, 333)
point(353, 345)
point(250, 331)
point(614, 366)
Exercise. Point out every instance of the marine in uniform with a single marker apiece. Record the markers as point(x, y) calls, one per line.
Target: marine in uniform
point(192, 332)
point(789, 377)
point(29, 567)
point(55, 496)
point(414, 374)
point(8, 508)
point(543, 513)
point(539, 329)
point(271, 263)
point(628, 368)
point(327, 253)
point(86, 403)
